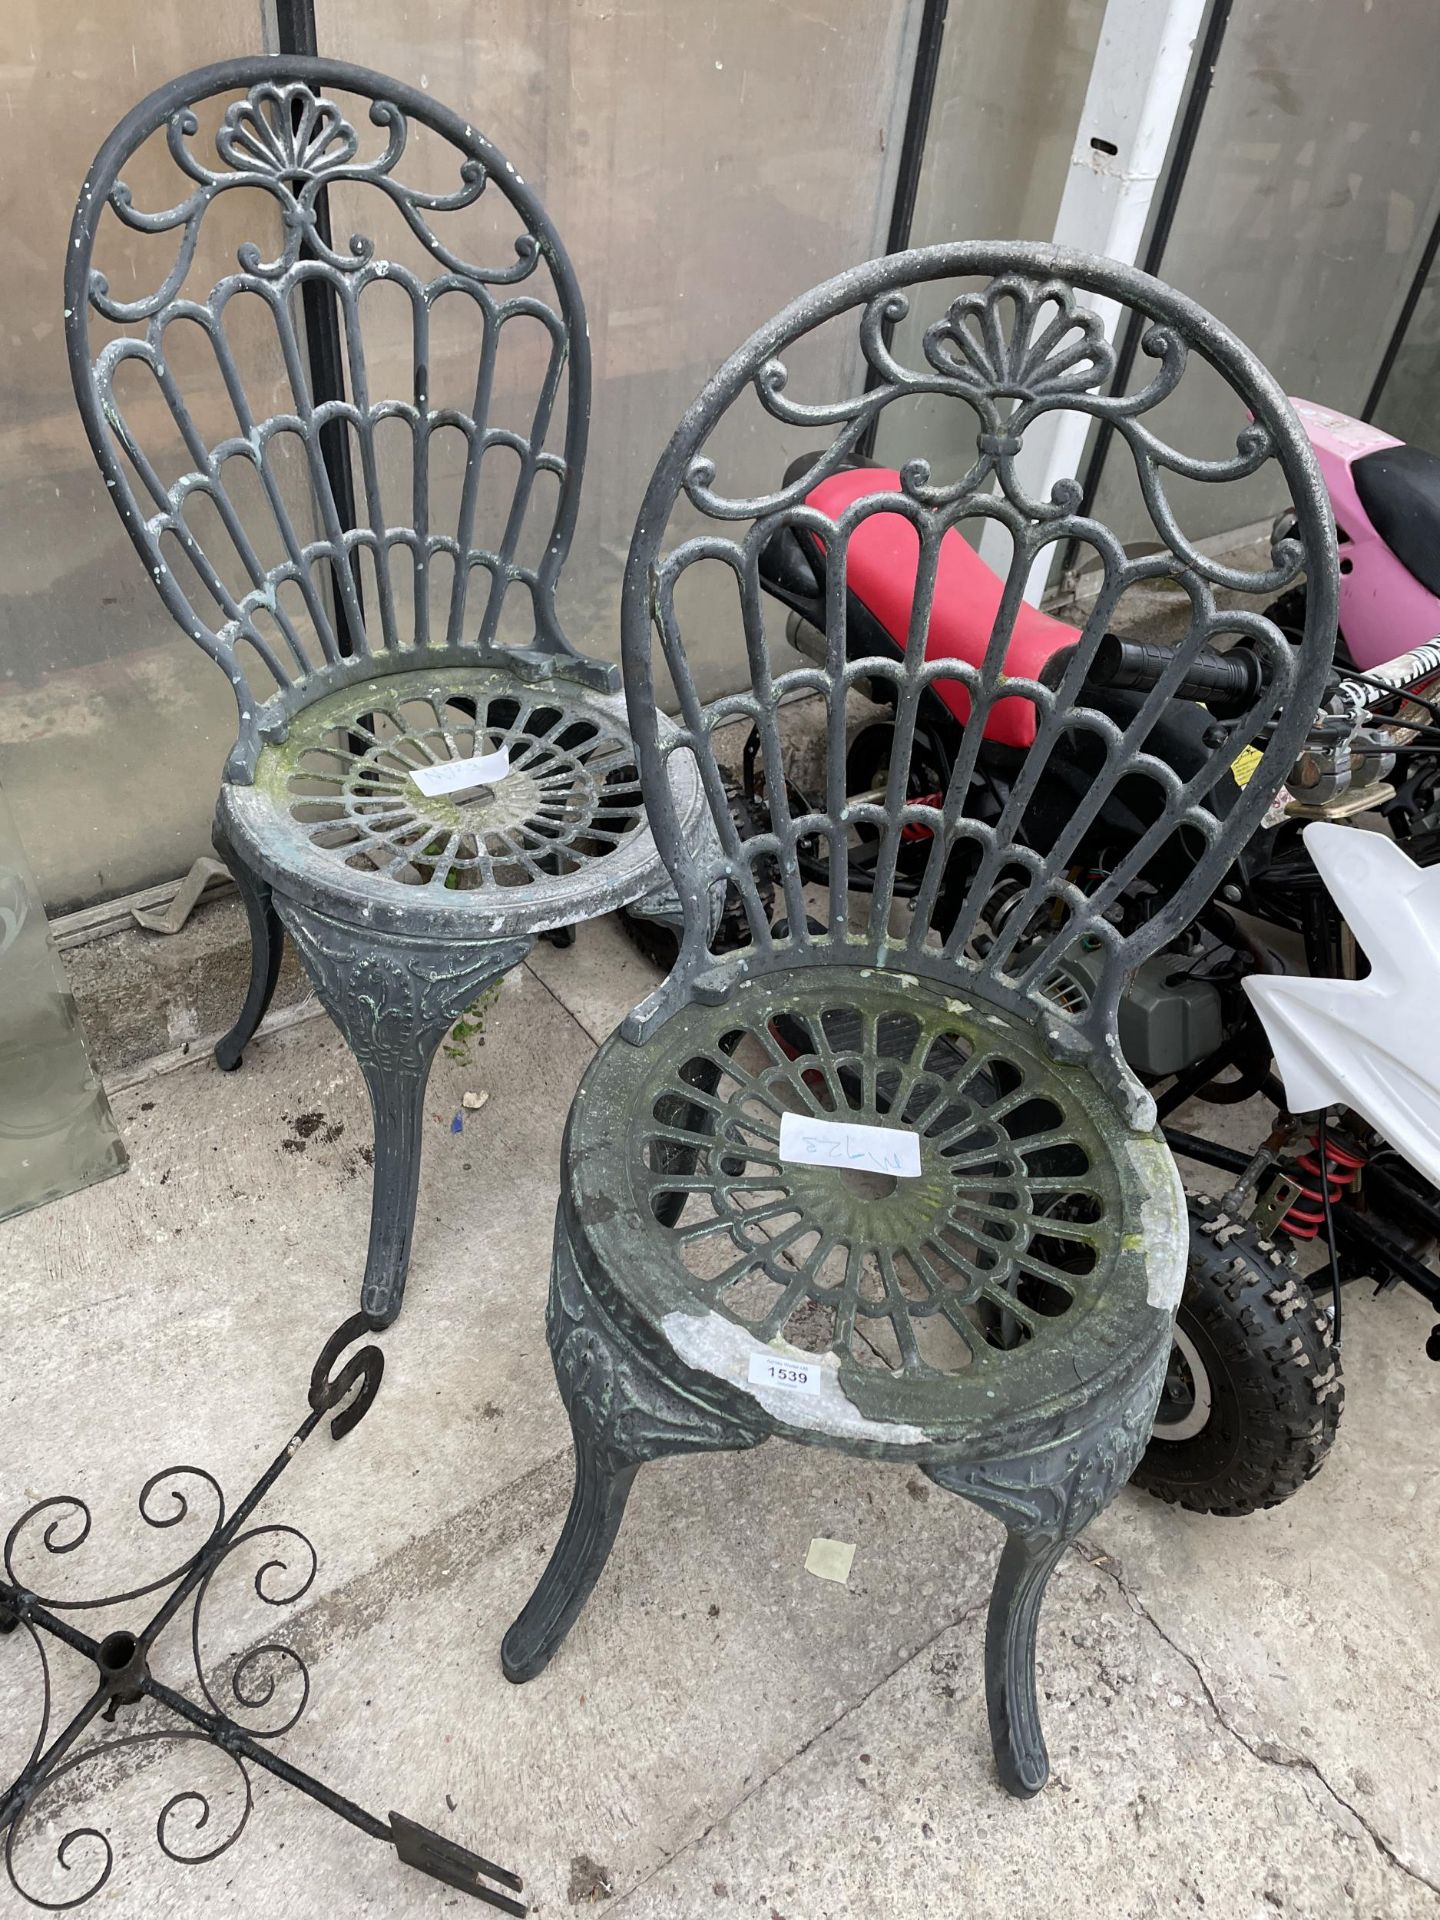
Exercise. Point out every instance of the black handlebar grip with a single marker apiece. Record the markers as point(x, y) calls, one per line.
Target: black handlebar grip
point(1226, 682)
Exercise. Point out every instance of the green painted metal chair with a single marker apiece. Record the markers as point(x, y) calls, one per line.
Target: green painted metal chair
point(426, 775)
point(881, 1180)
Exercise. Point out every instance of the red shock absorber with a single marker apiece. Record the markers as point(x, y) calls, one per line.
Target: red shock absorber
point(1313, 1175)
point(917, 829)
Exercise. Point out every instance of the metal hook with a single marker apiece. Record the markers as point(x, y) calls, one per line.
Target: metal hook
point(367, 1367)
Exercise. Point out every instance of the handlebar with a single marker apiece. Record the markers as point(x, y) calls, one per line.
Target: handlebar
point(1227, 683)
point(1407, 669)
point(1351, 745)
point(1391, 680)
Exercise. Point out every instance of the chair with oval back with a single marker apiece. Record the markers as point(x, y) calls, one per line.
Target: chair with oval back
point(383, 610)
point(880, 1180)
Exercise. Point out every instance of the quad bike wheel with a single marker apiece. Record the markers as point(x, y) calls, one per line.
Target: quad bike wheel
point(1253, 1391)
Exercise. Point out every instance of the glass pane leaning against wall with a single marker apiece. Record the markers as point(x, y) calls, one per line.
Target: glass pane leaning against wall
point(702, 165)
point(1304, 211)
point(1008, 95)
point(1409, 404)
point(113, 727)
point(56, 1133)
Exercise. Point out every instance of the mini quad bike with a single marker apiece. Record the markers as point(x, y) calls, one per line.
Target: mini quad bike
point(1351, 1158)
point(1254, 1391)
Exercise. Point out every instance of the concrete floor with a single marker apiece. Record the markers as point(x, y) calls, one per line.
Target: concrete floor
point(1244, 1716)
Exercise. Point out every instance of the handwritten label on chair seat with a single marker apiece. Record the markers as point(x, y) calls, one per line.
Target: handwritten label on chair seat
point(800, 1376)
point(454, 776)
point(813, 1142)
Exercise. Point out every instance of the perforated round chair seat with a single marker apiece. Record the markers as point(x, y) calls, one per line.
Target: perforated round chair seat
point(551, 832)
point(1031, 1266)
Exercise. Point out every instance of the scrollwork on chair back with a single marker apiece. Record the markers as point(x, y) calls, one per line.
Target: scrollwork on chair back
point(334, 569)
point(1003, 891)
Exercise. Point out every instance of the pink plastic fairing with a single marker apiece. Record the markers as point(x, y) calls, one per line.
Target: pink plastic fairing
point(1384, 610)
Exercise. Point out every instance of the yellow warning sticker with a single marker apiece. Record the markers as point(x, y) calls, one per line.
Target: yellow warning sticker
point(1245, 765)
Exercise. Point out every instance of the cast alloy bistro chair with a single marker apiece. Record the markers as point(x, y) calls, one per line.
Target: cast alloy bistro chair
point(985, 1286)
point(426, 774)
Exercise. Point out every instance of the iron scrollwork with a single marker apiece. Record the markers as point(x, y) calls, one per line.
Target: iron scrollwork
point(272, 625)
point(289, 141)
point(231, 1716)
point(1028, 343)
point(1021, 347)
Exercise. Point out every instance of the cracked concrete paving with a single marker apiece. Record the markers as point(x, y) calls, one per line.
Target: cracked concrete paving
point(1270, 1751)
point(1242, 1715)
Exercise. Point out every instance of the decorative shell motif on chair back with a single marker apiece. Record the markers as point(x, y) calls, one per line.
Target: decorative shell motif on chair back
point(1034, 839)
point(330, 430)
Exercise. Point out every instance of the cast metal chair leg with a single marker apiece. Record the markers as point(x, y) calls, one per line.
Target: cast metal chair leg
point(397, 1105)
point(1026, 1564)
point(267, 949)
point(597, 1506)
point(1046, 1498)
point(394, 997)
point(622, 1413)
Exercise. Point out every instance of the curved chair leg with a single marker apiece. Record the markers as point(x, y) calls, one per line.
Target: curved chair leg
point(1026, 1564)
point(394, 997)
point(1041, 1517)
point(1046, 1499)
point(267, 949)
point(397, 1107)
point(597, 1506)
point(622, 1413)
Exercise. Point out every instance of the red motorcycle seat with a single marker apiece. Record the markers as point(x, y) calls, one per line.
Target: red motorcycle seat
point(883, 556)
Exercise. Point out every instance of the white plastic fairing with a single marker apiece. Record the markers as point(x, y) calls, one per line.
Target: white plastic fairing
point(1371, 1044)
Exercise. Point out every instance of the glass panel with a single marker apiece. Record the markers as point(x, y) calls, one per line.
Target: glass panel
point(702, 166)
point(1303, 214)
point(695, 198)
point(113, 727)
point(1008, 97)
point(56, 1133)
point(1410, 401)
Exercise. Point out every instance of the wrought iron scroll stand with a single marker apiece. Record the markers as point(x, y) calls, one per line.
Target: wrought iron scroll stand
point(124, 1678)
